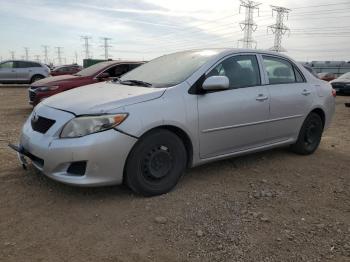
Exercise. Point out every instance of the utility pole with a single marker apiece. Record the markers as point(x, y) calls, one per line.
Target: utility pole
point(12, 54)
point(106, 46)
point(86, 46)
point(59, 54)
point(279, 28)
point(46, 51)
point(26, 51)
point(248, 26)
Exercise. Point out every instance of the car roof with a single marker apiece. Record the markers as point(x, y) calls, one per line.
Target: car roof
point(114, 62)
point(224, 51)
point(18, 60)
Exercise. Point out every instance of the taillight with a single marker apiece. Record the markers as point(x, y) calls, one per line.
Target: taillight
point(334, 93)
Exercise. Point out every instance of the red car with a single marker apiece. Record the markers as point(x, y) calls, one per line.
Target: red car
point(100, 72)
point(66, 70)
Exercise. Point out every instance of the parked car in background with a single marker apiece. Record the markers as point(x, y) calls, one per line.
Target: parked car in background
point(19, 71)
point(96, 73)
point(326, 76)
point(342, 84)
point(66, 70)
point(179, 110)
point(311, 70)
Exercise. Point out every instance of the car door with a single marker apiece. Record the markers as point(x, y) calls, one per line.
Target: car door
point(234, 119)
point(22, 70)
point(7, 71)
point(290, 97)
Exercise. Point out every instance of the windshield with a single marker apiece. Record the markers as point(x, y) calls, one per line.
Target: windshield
point(91, 70)
point(345, 76)
point(169, 70)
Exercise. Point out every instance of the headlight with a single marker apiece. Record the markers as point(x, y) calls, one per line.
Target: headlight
point(85, 125)
point(47, 88)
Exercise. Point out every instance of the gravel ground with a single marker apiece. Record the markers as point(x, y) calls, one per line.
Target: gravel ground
point(271, 206)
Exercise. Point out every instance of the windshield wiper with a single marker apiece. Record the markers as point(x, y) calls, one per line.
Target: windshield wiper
point(134, 83)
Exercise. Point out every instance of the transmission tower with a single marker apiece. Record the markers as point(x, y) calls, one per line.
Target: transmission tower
point(59, 54)
point(248, 26)
point(76, 57)
point(86, 46)
point(26, 51)
point(37, 58)
point(46, 51)
point(279, 28)
point(12, 54)
point(106, 46)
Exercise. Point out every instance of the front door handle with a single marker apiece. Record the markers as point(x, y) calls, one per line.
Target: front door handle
point(261, 98)
point(306, 92)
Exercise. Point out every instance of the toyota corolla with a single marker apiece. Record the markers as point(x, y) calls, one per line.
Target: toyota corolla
point(177, 111)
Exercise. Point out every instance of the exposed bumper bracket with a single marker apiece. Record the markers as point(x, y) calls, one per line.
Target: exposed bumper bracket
point(21, 153)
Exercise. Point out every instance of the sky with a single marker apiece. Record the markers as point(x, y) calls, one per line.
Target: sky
point(145, 29)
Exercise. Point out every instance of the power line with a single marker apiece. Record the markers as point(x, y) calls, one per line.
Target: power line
point(279, 28)
point(86, 46)
point(106, 46)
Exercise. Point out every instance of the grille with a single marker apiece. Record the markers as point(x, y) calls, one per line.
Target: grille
point(31, 95)
point(41, 124)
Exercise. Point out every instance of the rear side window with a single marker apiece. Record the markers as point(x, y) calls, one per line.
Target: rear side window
point(32, 64)
point(281, 71)
point(242, 71)
point(7, 65)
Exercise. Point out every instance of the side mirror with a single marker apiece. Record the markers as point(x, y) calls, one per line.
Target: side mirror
point(215, 83)
point(103, 76)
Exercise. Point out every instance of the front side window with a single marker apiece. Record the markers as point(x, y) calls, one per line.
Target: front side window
point(6, 65)
point(281, 71)
point(32, 64)
point(241, 70)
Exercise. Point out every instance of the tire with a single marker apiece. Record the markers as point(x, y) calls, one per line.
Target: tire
point(309, 136)
point(156, 163)
point(36, 78)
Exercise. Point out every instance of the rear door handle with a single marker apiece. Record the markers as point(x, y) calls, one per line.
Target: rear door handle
point(261, 98)
point(306, 92)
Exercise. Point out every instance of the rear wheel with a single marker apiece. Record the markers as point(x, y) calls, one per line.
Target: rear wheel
point(36, 78)
point(156, 163)
point(310, 135)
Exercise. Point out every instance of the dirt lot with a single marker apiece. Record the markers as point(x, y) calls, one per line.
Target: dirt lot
point(271, 206)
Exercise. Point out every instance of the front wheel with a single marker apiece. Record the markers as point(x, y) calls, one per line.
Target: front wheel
point(156, 163)
point(309, 136)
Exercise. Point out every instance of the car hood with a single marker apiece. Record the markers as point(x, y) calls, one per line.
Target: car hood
point(101, 98)
point(52, 80)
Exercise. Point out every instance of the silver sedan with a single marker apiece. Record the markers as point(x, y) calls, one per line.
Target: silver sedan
point(177, 111)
